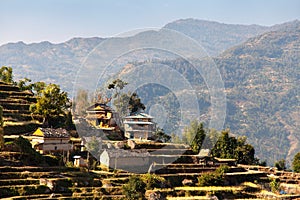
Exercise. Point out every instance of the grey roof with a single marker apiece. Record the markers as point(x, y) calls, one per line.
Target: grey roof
point(127, 153)
point(139, 115)
point(55, 133)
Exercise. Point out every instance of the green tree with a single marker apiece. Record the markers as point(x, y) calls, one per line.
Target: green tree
point(296, 163)
point(135, 104)
point(117, 85)
point(51, 103)
point(231, 147)
point(6, 74)
point(176, 139)
point(161, 135)
point(125, 102)
point(69, 121)
point(244, 153)
point(194, 135)
point(25, 147)
point(280, 165)
point(134, 189)
point(198, 139)
point(38, 87)
point(23, 84)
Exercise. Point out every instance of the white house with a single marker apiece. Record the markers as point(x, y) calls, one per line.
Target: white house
point(139, 126)
point(48, 140)
point(129, 160)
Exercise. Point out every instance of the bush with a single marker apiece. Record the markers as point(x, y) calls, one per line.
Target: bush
point(32, 157)
point(134, 189)
point(215, 178)
point(153, 181)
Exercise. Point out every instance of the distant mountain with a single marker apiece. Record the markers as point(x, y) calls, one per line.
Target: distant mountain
point(216, 37)
point(59, 63)
point(44, 61)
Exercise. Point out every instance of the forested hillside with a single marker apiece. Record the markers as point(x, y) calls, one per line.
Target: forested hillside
point(262, 80)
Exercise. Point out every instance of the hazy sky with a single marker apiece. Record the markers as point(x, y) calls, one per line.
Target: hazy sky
point(61, 20)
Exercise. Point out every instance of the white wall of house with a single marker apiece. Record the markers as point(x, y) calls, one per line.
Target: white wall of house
point(52, 144)
point(122, 160)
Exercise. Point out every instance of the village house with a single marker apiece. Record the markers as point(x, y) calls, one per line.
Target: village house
point(130, 160)
point(139, 126)
point(102, 117)
point(49, 140)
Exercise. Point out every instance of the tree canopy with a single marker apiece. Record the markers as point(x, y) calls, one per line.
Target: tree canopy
point(296, 163)
point(225, 146)
point(51, 102)
point(6, 74)
point(125, 102)
point(194, 135)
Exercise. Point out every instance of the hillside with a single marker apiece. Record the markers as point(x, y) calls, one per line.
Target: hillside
point(59, 63)
point(216, 37)
point(44, 61)
point(16, 115)
point(261, 78)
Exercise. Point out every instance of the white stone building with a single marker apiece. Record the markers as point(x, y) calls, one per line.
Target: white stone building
point(139, 126)
point(130, 160)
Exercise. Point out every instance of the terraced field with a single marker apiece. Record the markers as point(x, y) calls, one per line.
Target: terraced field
point(16, 115)
point(59, 183)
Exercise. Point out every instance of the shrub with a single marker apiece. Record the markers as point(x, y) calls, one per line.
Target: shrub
point(214, 178)
point(134, 189)
point(153, 181)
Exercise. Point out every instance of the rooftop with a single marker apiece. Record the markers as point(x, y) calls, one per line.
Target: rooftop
point(51, 133)
point(138, 116)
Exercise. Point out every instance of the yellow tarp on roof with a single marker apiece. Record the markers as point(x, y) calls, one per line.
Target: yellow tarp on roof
point(98, 108)
point(38, 132)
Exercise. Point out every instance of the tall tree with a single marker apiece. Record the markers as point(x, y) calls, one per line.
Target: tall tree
point(125, 102)
point(296, 163)
point(135, 104)
point(194, 135)
point(231, 147)
point(52, 102)
point(280, 165)
point(161, 135)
